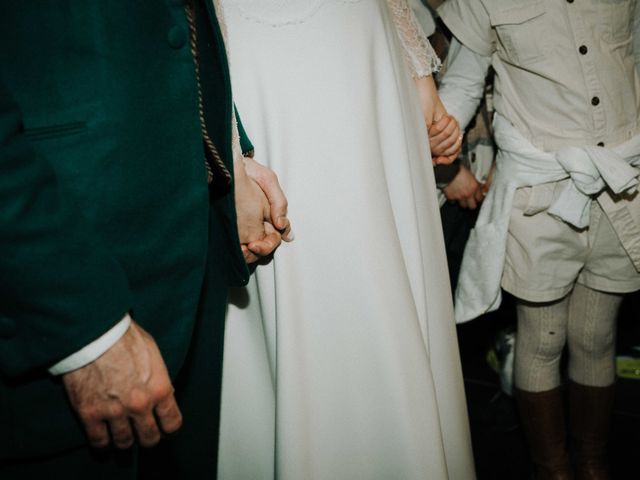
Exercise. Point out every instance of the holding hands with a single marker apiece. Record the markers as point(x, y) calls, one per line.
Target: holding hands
point(445, 139)
point(268, 182)
point(261, 210)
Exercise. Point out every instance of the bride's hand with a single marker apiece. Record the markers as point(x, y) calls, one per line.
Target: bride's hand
point(444, 132)
point(445, 139)
point(268, 182)
point(258, 237)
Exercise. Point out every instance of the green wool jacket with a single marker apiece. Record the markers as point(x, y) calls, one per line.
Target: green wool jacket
point(104, 204)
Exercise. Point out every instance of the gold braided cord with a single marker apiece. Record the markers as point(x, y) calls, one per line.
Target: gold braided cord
point(210, 148)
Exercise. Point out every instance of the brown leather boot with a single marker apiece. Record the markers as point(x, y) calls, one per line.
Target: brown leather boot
point(542, 419)
point(590, 410)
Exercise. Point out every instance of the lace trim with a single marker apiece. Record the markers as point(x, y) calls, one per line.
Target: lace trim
point(418, 52)
point(278, 13)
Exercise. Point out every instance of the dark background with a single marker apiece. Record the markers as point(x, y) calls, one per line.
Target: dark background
point(499, 447)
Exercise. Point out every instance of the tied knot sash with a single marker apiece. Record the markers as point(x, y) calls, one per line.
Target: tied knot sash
point(520, 164)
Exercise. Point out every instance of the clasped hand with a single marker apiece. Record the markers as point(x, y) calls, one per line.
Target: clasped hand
point(125, 394)
point(466, 190)
point(445, 139)
point(261, 208)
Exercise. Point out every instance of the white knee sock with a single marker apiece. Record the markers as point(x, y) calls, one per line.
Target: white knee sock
point(540, 340)
point(592, 333)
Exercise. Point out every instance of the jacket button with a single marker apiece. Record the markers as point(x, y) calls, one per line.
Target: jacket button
point(595, 101)
point(7, 328)
point(177, 37)
point(601, 144)
point(583, 49)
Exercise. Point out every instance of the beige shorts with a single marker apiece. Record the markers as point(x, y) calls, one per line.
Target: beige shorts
point(545, 256)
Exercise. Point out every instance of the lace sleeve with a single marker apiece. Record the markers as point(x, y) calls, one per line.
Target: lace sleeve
point(418, 53)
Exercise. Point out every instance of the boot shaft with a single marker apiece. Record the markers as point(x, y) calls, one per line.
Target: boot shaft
point(590, 414)
point(543, 421)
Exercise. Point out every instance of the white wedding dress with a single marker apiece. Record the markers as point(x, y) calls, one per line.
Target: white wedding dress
point(341, 360)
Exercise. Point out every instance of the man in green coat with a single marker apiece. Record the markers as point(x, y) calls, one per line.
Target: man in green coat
point(119, 235)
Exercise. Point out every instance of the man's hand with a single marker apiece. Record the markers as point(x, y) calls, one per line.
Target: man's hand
point(445, 139)
point(258, 237)
point(465, 189)
point(268, 181)
point(125, 394)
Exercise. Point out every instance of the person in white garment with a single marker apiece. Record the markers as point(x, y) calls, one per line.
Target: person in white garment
point(560, 226)
point(341, 360)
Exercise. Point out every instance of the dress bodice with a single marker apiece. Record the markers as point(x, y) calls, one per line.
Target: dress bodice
point(418, 53)
point(280, 12)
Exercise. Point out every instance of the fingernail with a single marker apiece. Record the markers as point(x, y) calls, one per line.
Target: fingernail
point(281, 222)
point(290, 237)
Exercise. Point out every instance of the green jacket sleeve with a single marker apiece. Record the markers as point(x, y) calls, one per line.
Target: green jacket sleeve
point(245, 143)
point(59, 290)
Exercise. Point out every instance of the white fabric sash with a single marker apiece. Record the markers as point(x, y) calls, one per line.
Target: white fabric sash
point(521, 164)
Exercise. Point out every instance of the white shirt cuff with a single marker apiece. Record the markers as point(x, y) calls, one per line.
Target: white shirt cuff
point(95, 349)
